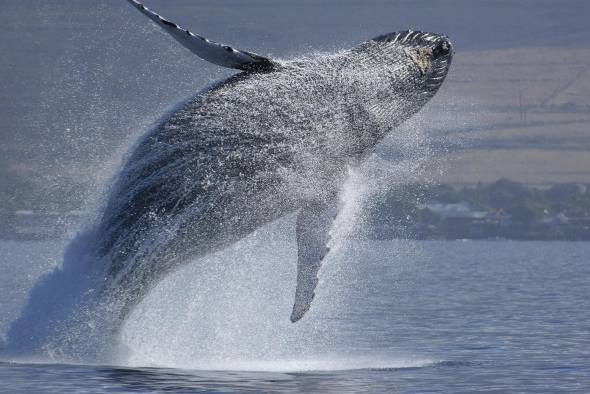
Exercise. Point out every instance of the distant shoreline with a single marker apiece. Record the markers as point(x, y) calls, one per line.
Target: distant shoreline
point(502, 210)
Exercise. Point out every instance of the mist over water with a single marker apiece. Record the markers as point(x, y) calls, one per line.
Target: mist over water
point(87, 82)
point(228, 310)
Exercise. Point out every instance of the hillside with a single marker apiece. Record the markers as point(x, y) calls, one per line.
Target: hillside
point(519, 113)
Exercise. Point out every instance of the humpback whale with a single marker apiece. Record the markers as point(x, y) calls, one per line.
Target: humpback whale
point(273, 139)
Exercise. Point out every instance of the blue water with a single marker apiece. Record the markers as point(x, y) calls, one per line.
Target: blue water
point(397, 316)
point(393, 316)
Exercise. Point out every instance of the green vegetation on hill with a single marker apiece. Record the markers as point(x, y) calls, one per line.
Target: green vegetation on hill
point(504, 208)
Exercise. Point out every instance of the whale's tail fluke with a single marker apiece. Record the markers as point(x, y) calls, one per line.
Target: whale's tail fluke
point(220, 54)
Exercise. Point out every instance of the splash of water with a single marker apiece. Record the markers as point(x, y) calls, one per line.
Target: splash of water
point(225, 310)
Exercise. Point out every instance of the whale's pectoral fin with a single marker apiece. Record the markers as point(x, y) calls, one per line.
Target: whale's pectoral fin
point(222, 55)
point(314, 223)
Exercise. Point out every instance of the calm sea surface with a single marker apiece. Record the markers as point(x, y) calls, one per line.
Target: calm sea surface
point(396, 316)
point(428, 317)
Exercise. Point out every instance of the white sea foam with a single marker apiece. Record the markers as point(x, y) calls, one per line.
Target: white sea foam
point(228, 310)
point(336, 363)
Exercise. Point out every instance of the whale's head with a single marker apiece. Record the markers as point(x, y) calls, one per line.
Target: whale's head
point(416, 59)
point(400, 72)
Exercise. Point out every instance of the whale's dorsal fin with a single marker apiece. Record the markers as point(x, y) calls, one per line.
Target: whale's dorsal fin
point(314, 223)
point(222, 55)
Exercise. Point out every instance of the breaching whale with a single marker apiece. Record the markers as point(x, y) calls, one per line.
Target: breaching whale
point(274, 139)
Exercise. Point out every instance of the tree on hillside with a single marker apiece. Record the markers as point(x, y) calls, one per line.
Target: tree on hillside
point(505, 193)
point(562, 192)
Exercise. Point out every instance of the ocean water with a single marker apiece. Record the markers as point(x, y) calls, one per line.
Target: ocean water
point(392, 316)
point(389, 316)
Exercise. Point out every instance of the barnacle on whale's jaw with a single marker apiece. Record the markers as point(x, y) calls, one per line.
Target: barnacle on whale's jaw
point(426, 58)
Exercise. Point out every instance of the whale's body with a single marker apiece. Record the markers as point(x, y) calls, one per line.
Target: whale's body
point(276, 138)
